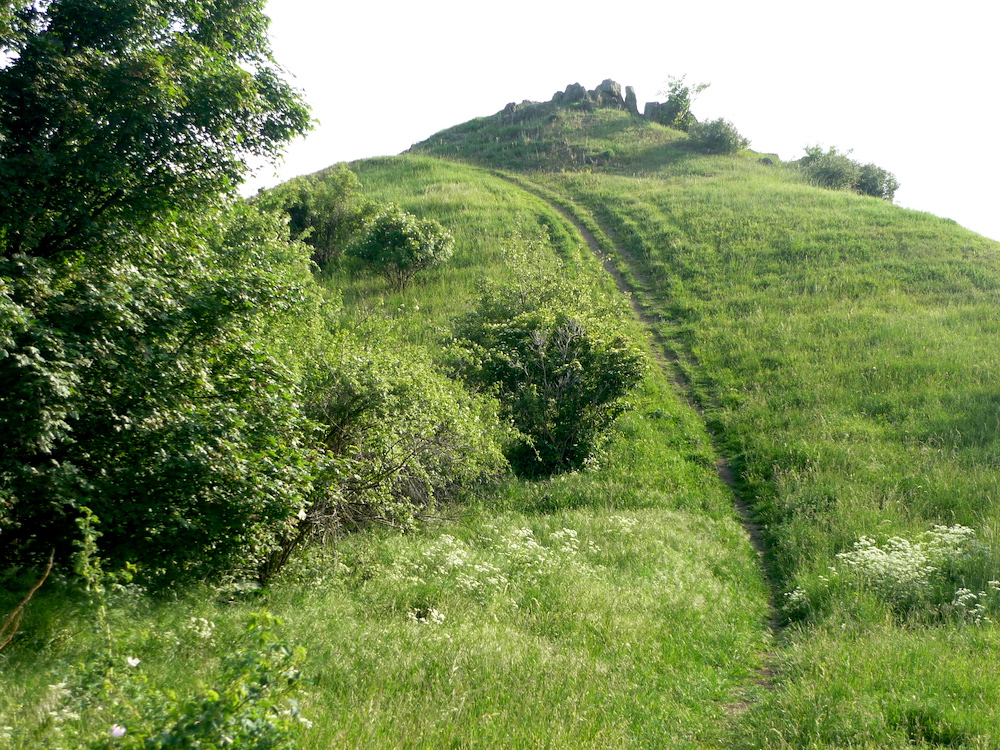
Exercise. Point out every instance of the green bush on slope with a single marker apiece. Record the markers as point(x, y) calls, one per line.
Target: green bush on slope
point(559, 363)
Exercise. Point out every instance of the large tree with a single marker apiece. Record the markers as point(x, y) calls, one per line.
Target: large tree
point(116, 112)
point(136, 373)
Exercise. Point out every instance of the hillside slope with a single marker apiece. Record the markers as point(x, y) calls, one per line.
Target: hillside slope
point(843, 351)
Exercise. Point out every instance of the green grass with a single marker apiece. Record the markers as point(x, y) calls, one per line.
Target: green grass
point(845, 342)
point(844, 349)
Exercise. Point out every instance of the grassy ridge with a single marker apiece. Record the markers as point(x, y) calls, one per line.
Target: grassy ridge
point(847, 343)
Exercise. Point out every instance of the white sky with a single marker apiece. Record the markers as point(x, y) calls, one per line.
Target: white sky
point(910, 86)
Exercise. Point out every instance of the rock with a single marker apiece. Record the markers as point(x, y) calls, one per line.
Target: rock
point(608, 94)
point(655, 111)
point(631, 103)
point(574, 93)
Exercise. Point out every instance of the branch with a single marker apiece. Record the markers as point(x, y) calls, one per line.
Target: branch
point(10, 627)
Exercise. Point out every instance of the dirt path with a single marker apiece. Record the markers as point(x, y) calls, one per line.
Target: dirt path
point(668, 359)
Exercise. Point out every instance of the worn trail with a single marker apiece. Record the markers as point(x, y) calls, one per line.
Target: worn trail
point(668, 359)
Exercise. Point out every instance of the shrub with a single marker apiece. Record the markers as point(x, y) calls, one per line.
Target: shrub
point(397, 245)
point(142, 386)
point(877, 182)
point(396, 435)
point(838, 171)
point(830, 169)
point(560, 367)
point(717, 137)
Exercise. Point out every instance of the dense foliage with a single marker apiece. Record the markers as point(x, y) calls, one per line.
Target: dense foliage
point(135, 304)
point(325, 211)
point(717, 137)
point(116, 114)
point(395, 436)
point(559, 363)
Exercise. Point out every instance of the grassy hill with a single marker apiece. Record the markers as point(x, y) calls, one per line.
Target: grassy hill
point(822, 371)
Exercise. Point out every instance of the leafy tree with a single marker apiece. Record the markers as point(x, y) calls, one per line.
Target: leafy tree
point(326, 211)
point(717, 137)
point(557, 361)
point(680, 96)
point(116, 113)
point(397, 245)
point(136, 300)
point(143, 388)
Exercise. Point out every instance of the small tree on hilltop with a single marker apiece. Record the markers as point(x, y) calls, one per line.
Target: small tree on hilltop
point(833, 169)
point(325, 211)
point(877, 182)
point(717, 137)
point(397, 245)
point(680, 97)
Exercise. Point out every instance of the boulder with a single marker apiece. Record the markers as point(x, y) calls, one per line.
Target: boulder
point(574, 93)
point(608, 94)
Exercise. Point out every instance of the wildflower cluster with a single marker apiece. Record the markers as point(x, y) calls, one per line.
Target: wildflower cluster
point(495, 565)
point(929, 576)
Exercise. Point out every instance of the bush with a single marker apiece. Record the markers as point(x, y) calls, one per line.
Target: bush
point(832, 169)
point(561, 368)
point(396, 435)
point(142, 386)
point(877, 182)
point(397, 245)
point(717, 137)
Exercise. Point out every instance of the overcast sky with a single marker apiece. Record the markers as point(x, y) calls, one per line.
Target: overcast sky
point(910, 86)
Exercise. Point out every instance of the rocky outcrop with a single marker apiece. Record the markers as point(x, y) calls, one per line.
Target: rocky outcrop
point(608, 95)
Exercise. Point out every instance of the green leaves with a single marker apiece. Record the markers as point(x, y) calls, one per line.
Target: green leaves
point(142, 387)
point(838, 171)
point(558, 363)
point(397, 245)
point(114, 114)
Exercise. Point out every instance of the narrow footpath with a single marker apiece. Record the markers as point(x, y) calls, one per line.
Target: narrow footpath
point(668, 360)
